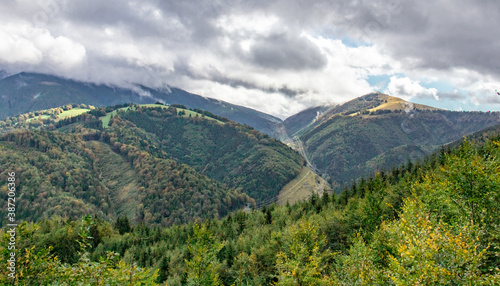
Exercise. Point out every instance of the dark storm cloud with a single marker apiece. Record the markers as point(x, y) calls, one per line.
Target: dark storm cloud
point(425, 34)
point(283, 51)
point(437, 35)
point(491, 99)
point(195, 24)
point(217, 76)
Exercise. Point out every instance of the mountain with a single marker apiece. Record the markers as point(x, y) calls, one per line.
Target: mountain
point(297, 123)
point(376, 132)
point(28, 92)
point(152, 163)
point(434, 223)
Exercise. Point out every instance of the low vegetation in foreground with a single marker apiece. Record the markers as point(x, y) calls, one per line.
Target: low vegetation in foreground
point(429, 223)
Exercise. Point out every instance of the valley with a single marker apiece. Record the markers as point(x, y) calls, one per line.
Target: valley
point(376, 132)
point(153, 189)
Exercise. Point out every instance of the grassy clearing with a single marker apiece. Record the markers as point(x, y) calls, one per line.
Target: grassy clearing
point(65, 114)
point(71, 113)
point(119, 177)
point(105, 119)
point(300, 188)
point(394, 103)
point(43, 116)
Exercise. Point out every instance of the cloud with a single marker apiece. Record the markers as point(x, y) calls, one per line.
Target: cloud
point(407, 89)
point(276, 56)
point(16, 48)
point(29, 46)
point(284, 51)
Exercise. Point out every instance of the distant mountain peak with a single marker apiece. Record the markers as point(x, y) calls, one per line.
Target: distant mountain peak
point(383, 101)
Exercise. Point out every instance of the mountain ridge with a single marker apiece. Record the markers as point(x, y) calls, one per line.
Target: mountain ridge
point(370, 133)
point(29, 92)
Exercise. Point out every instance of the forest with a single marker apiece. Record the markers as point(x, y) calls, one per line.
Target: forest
point(156, 164)
point(234, 154)
point(431, 222)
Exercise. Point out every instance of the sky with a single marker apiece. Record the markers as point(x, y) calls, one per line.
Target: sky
point(278, 57)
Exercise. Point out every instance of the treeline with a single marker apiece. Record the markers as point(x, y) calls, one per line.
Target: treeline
point(429, 223)
point(89, 120)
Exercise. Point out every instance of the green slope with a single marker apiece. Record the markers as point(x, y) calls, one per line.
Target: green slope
point(61, 174)
point(361, 136)
point(230, 153)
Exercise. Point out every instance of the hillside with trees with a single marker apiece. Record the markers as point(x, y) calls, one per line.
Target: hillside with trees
point(432, 222)
point(155, 164)
point(64, 175)
point(377, 132)
point(231, 153)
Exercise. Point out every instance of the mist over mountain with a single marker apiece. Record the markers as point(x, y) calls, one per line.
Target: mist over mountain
point(27, 92)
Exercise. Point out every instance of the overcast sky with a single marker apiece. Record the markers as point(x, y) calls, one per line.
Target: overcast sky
point(275, 56)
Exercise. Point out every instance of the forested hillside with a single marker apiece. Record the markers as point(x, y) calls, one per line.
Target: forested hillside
point(155, 164)
point(234, 154)
point(433, 222)
point(377, 132)
point(64, 175)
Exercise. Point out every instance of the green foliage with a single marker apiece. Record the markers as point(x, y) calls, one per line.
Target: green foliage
point(473, 181)
point(202, 268)
point(122, 224)
point(302, 260)
point(39, 267)
point(429, 252)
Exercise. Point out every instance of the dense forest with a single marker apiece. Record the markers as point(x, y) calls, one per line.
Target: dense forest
point(433, 222)
point(155, 164)
point(231, 153)
point(64, 175)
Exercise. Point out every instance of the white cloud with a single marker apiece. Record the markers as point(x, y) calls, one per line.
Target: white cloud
point(341, 79)
point(15, 48)
point(406, 88)
point(25, 44)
